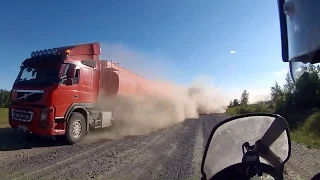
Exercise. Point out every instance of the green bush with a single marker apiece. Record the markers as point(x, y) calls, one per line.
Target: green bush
point(4, 122)
point(251, 108)
point(4, 98)
point(307, 131)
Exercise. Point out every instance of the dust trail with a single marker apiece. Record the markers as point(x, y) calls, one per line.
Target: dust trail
point(161, 106)
point(164, 105)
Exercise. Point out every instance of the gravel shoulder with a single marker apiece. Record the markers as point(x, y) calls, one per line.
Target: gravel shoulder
point(172, 153)
point(304, 163)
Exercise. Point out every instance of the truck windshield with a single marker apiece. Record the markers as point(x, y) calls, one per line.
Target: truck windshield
point(38, 75)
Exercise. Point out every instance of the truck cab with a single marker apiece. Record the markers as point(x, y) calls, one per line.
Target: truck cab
point(55, 90)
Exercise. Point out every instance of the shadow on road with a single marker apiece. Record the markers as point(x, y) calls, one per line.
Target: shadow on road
point(11, 139)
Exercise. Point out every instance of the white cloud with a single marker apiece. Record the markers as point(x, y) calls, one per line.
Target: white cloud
point(233, 52)
point(280, 73)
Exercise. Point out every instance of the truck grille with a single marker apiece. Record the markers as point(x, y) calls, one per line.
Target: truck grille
point(22, 115)
point(29, 97)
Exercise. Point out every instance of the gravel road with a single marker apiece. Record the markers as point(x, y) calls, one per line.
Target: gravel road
point(173, 153)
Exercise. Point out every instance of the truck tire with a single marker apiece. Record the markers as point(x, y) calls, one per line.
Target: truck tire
point(76, 128)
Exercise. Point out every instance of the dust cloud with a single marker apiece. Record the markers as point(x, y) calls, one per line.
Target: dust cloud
point(162, 106)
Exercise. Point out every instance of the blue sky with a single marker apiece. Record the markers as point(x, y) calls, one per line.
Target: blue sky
point(181, 39)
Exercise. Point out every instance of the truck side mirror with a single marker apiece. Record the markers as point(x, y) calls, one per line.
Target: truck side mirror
point(71, 71)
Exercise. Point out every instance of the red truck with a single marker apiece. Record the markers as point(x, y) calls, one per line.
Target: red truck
point(57, 92)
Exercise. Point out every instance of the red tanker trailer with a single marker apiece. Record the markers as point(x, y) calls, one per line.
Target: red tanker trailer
point(58, 92)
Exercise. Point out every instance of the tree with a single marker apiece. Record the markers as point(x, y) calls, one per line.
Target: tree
point(244, 100)
point(307, 88)
point(277, 95)
point(304, 93)
point(289, 86)
point(231, 103)
point(235, 102)
point(4, 98)
point(289, 90)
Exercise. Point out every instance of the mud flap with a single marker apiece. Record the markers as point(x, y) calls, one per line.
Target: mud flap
point(117, 110)
point(106, 119)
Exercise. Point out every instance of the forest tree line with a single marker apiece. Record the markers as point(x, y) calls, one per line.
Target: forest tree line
point(4, 98)
point(303, 94)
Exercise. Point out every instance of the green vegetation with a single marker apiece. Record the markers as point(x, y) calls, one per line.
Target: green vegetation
point(251, 108)
point(298, 102)
point(4, 117)
point(4, 98)
point(4, 103)
point(307, 127)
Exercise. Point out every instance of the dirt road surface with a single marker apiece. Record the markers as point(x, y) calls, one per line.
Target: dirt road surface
point(173, 153)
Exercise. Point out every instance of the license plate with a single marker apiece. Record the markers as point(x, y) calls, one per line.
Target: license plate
point(22, 127)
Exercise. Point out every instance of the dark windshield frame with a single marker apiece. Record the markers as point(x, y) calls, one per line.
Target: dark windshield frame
point(234, 118)
point(45, 62)
point(53, 75)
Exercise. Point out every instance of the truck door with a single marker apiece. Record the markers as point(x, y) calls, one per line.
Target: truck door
point(87, 94)
point(67, 92)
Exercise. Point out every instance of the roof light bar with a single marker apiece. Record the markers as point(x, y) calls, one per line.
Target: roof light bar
point(44, 52)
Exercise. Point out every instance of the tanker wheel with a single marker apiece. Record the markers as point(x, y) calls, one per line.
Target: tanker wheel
point(76, 128)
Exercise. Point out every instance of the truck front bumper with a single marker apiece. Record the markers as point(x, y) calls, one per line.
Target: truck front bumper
point(28, 120)
point(29, 128)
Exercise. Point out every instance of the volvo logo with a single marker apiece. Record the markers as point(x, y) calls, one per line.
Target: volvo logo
point(25, 96)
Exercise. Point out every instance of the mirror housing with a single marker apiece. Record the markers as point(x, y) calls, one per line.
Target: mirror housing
point(299, 27)
point(283, 31)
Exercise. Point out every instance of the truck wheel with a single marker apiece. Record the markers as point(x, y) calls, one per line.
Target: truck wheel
point(76, 128)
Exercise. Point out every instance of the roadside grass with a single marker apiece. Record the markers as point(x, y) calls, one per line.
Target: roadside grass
point(308, 132)
point(304, 124)
point(251, 108)
point(4, 122)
